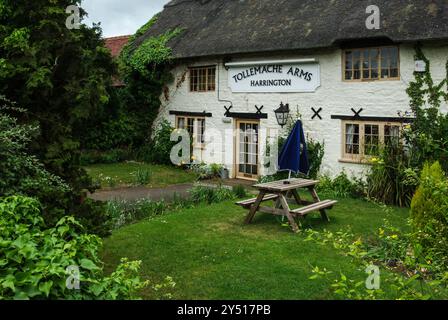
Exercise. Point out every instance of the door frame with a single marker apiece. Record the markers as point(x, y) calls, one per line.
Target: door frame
point(236, 150)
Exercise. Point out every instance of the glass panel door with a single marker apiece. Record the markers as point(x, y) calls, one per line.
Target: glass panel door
point(247, 150)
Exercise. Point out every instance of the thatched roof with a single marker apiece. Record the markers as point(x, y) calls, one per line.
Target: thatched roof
point(223, 27)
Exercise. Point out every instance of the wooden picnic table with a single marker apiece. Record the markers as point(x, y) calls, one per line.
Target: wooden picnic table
point(284, 192)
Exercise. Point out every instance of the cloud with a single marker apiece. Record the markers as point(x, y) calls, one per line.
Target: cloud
point(119, 17)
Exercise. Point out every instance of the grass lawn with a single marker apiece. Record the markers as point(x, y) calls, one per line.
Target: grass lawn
point(211, 254)
point(125, 174)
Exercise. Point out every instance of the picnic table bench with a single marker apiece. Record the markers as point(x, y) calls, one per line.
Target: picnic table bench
point(284, 192)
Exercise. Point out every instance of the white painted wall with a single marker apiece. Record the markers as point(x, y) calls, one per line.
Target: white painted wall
point(378, 98)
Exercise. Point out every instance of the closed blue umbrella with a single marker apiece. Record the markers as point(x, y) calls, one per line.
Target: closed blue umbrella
point(294, 155)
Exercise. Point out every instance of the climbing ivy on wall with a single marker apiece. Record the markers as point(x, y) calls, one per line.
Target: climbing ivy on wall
point(428, 133)
point(152, 52)
point(423, 89)
point(145, 69)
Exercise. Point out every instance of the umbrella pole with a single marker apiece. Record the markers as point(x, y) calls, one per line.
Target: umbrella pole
point(289, 177)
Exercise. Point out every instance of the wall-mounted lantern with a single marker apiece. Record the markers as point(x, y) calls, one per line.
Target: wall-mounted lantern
point(282, 114)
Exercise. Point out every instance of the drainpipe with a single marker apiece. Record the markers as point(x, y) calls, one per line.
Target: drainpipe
point(219, 83)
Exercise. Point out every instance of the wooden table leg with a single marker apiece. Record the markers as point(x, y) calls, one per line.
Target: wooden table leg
point(323, 213)
point(297, 197)
point(254, 207)
point(285, 206)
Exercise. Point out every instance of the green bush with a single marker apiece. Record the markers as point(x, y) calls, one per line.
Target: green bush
point(143, 177)
point(159, 150)
point(316, 151)
point(207, 171)
point(239, 191)
point(391, 179)
point(89, 157)
point(202, 194)
point(34, 260)
point(23, 174)
point(341, 186)
point(125, 212)
point(429, 214)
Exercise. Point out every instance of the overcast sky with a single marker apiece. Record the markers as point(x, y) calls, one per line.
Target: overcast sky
point(121, 17)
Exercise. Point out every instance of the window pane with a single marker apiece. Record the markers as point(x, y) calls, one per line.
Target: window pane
point(180, 123)
point(366, 64)
point(374, 59)
point(357, 64)
point(211, 79)
point(193, 79)
point(348, 60)
point(394, 73)
point(371, 139)
point(348, 75)
point(190, 126)
point(385, 63)
point(391, 135)
point(393, 57)
point(352, 138)
point(200, 130)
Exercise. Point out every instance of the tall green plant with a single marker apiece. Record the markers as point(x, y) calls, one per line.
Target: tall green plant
point(429, 214)
point(391, 178)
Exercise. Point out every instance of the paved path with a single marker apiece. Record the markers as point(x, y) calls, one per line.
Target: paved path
point(156, 194)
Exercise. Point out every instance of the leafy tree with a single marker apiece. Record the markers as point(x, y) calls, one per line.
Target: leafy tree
point(59, 76)
point(24, 174)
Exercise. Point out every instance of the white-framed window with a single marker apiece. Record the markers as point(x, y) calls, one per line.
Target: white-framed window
point(195, 127)
point(362, 140)
point(371, 64)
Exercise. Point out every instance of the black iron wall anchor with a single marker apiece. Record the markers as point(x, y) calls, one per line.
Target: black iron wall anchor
point(259, 109)
point(316, 113)
point(227, 110)
point(357, 113)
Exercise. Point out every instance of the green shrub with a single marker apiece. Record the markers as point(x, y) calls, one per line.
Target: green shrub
point(316, 151)
point(239, 191)
point(125, 212)
point(34, 260)
point(143, 177)
point(159, 149)
point(388, 251)
point(341, 186)
point(429, 214)
point(391, 179)
point(202, 194)
point(207, 171)
point(23, 174)
point(93, 217)
point(89, 157)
